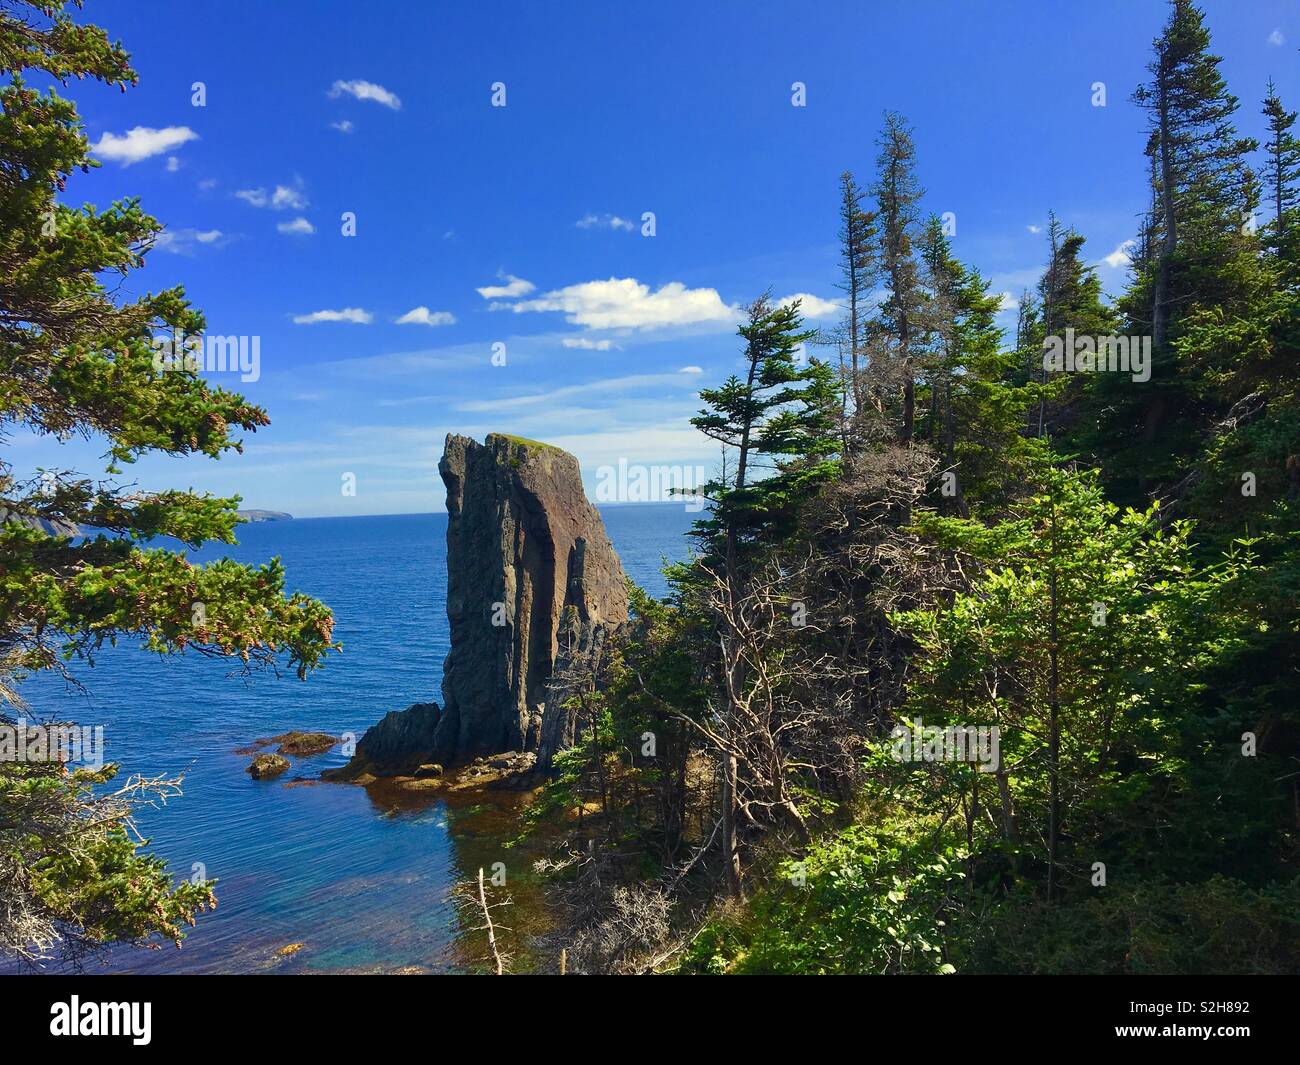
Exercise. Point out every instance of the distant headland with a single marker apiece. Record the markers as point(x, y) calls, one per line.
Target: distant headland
point(264, 515)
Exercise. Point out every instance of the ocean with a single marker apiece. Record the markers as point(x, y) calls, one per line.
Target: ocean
point(315, 877)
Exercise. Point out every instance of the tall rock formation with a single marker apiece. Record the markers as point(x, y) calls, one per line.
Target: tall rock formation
point(533, 585)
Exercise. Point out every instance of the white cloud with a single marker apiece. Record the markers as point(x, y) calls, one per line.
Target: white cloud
point(366, 90)
point(142, 142)
point(173, 164)
point(513, 287)
point(299, 226)
point(691, 369)
point(354, 315)
point(207, 184)
point(287, 197)
point(1276, 38)
point(343, 125)
point(280, 198)
point(1034, 229)
point(1121, 256)
point(625, 303)
point(1007, 302)
point(812, 306)
point(586, 344)
point(423, 316)
point(183, 241)
point(605, 221)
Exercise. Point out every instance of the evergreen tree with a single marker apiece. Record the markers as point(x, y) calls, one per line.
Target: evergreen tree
point(976, 404)
point(1071, 297)
point(778, 423)
point(1200, 252)
point(857, 266)
point(898, 331)
point(74, 362)
point(1282, 169)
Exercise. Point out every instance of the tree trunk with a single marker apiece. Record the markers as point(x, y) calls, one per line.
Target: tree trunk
point(730, 844)
point(1169, 242)
point(1054, 726)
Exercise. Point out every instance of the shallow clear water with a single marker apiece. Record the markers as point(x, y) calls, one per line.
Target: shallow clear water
point(363, 884)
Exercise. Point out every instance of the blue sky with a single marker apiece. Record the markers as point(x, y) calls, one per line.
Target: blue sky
point(612, 110)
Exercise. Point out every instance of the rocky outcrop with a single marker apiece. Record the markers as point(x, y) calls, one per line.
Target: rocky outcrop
point(534, 590)
point(267, 765)
point(297, 743)
point(399, 744)
point(49, 526)
point(532, 583)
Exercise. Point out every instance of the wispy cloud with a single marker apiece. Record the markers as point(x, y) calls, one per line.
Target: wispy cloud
point(587, 344)
point(425, 364)
point(298, 226)
point(185, 241)
point(513, 288)
point(343, 125)
point(282, 197)
point(142, 142)
point(625, 303)
point(1276, 38)
point(353, 315)
point(423, 316)
point(605, 221)
point(366, 90)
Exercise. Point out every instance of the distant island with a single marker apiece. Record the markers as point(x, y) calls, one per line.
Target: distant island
point(264, 515)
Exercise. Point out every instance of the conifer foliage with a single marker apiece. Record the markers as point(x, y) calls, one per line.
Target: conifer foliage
point(1088, 583)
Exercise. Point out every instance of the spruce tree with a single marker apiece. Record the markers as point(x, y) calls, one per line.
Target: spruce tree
point(1199, 252)
point(857, 266)
point(898, 329)
point(74, 361)
point(1282, 168)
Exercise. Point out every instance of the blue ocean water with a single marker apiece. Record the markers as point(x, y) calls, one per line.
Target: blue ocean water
point(361, 883)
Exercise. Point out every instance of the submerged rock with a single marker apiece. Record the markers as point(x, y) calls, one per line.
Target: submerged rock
point(418, 783)
point(267, 765)
point(297, 744)
point(302, 744)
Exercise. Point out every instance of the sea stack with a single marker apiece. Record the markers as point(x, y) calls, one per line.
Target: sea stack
point(532, 583)
point(534, 590)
